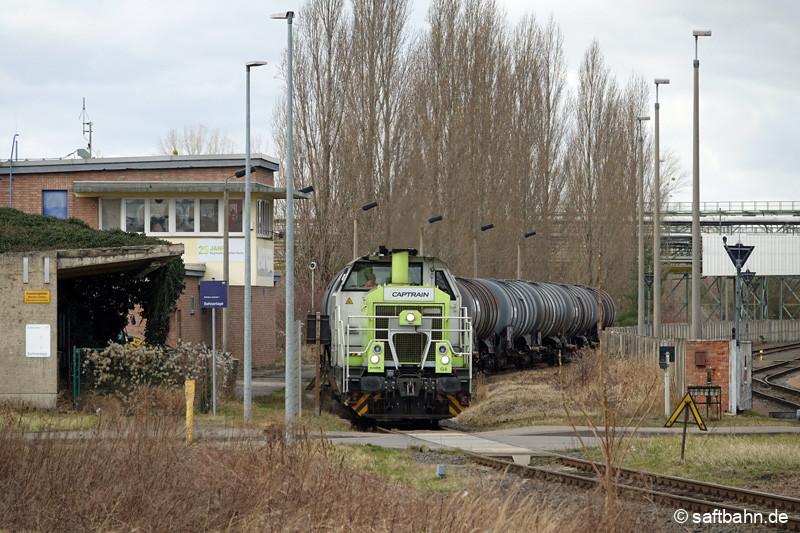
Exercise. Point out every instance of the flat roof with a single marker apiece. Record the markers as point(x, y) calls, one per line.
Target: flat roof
point(37, 166)
point(106, 188)
point(142, 259)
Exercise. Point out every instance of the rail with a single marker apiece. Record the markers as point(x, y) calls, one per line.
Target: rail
point(671, 492)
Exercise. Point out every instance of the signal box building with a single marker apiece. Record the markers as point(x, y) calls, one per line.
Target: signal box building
point(178, 199)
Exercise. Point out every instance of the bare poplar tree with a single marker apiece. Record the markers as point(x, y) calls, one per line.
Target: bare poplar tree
point(602, 190)
point(321, 77)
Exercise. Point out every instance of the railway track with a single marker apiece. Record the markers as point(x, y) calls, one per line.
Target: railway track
point(766, 385)
point(668, 491)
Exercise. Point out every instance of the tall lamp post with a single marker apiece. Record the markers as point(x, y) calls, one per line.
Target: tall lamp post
point(226, 258)
point(640, 193)
point(747, 277)
point(695, 326)
point(648, 278)
point(289, 377)
point(657, 220)
point(431, 220)
point(475, 249)
point(248, 353)
point(519, 252)
point(365, 207)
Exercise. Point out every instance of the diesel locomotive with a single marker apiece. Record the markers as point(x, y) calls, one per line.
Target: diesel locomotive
point(405, 335)
point(400, 344)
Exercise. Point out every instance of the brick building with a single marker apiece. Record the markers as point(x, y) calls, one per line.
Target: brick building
point(178, 199)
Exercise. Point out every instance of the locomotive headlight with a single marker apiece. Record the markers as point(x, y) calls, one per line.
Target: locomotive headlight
point(375, 357)
point(408, 317)
point(444, 358)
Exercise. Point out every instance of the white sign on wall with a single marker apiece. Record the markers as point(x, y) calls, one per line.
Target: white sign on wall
point(214, 250)
point(265, 262)
point(37, 340)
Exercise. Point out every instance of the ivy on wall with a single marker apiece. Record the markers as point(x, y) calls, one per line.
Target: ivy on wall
point(97, 306)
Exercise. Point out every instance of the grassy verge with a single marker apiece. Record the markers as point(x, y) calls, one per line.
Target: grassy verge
point(414, 468)
point(754, 461)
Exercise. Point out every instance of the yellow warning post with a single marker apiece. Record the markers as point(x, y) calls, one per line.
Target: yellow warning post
point(189, 391)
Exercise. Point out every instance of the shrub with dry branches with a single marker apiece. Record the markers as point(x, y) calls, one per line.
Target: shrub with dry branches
point(135, 375)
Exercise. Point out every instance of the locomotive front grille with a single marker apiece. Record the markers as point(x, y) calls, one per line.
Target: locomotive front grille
point(409, 346)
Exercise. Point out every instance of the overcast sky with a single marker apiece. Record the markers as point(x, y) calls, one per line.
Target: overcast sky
point(147, 66)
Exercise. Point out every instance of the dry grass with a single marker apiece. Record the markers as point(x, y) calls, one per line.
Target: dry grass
point(534, 396)
point(140, 475)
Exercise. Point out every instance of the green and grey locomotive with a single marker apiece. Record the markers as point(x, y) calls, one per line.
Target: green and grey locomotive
point(400, 344)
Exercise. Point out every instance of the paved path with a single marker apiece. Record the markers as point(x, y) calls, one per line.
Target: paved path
point(520, 444)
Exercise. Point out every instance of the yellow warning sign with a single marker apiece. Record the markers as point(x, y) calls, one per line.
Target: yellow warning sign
point(349, 301)
point(687, 400)
point(37, 297)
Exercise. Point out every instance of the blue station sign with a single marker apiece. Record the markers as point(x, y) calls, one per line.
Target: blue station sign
point(213, 294)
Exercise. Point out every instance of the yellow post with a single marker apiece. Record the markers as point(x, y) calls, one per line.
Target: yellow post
point(189, 391)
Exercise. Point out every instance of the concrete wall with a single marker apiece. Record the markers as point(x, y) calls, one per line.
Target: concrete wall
point(24, 374)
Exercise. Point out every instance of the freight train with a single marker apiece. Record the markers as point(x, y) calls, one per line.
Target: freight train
point(405, 335)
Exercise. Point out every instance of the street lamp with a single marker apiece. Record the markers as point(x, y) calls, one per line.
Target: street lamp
point(648, 278)
point(226, 259)
point(289, 345)
point(519, 252)
point(365, 207)
point(248, 359)
point(422, 226)
point(657, 221)
point(640, 192)
point(695, 329)
point(747, 277)
point(475, 249)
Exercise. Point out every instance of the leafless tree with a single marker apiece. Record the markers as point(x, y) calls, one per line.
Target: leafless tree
point(470, 119)
point(195, 140)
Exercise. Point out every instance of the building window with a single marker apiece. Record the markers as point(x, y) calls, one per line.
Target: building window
point(159, 215)
point(209, 216)
point(54, 204)
point(263, 219)
point(134, 216)
point(110, 213)
point(184, 216)
point(170, 216)
point(235, 215)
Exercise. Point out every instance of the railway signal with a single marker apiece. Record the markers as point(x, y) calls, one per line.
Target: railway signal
point(738, 254)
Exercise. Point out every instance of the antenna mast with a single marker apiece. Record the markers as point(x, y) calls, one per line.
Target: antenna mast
point(87, 126)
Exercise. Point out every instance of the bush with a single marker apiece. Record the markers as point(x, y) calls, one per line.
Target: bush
point(125, 372)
